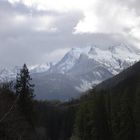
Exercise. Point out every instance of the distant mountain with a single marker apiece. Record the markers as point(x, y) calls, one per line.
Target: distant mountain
point(82, 68)
point(7, 74)
point(114, 58)
point(91, 65)
point(79, 70)
point(40, 68)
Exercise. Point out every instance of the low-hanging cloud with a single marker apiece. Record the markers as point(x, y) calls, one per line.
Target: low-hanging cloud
point(110, 16)
point(34, 30)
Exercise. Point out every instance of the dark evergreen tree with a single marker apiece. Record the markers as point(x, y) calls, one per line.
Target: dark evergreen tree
point(137, 111)
point(102, 118)
point(92, 120)
point(127, 126)
point(25, 93)
point(85, 127)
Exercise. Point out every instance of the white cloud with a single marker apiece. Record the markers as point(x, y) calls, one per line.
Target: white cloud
point(108, 16)
point(44, 23)
point(44, 28)
point(55, 55)
point(135, 33)
point(58, 5)
point(14, 1)
point(37, 23)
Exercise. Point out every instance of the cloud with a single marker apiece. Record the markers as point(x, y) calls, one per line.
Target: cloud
point(108, 16)
point(58, 53)
point(28, 35)
point(37, 31)
point(55, 5)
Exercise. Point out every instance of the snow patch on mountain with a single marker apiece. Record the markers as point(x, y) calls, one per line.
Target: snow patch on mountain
point(40, 68)
point(69, 60)
point(114, 58)
point(86, 85)
point(7, 74)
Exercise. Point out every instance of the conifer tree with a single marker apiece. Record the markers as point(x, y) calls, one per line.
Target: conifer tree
point(25, 92)
point(137, 110)
point(126, 117)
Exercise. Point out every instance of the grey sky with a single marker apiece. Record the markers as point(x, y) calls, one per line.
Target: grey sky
point(38, 31)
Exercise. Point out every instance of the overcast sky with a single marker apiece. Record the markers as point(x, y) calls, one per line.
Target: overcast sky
point(38, 31)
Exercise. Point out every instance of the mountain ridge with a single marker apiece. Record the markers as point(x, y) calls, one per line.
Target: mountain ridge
point(80, 69)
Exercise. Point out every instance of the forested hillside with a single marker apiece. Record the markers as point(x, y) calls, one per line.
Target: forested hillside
point(13, 124)
point(24, 118)
point(110, 111)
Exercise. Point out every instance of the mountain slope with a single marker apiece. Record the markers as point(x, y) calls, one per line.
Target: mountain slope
point(82, 68)
point(79, 70)
point(112, 108)
point(114, 58)
point(92, 65)
point(132, 71)
point(54, 86)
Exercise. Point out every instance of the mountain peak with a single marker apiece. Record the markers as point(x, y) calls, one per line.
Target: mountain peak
point(80, 69)
point(116, 57)
point(40, 68)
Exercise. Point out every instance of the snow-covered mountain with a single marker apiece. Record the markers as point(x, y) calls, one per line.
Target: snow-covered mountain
point(79, 70)
point(91, 65)
point(114, 58)
point(40, 68)
point(7, 74)
point(68, 61)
